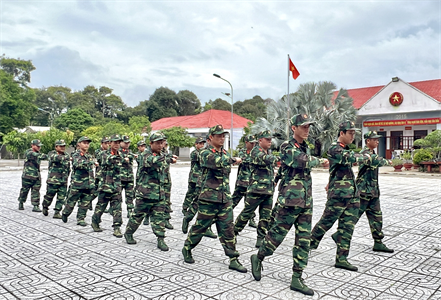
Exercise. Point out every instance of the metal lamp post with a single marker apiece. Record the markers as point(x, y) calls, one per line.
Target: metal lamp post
point(231, 137)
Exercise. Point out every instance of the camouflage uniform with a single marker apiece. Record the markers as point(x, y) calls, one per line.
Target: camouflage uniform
point(127, 178)
point(31, 177)
point(58, 174)
point(367, 184)
point(343, 198)
point(82, 185)
point(98, 175)
point(167, 188)
point(110, 186)
point(193, 177)
point(260, 190)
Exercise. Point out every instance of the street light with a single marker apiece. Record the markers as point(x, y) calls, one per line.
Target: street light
point(231, 137)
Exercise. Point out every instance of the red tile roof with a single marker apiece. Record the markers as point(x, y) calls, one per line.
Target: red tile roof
point(431, 88)
point(206, 119)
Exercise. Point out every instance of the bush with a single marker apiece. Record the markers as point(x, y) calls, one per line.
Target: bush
point(397, 162)
point(422, 155)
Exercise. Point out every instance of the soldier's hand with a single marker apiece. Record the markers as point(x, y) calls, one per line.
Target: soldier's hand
point(327, 187)
point(238, 160)
point(126, 159)
point(175, 156)
point(325, 162)
point(97, 164)
point(136, 155)
point(174, 160)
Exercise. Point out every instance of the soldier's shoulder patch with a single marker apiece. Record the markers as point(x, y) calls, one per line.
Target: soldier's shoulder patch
point(297, 145)
point(260, 149)
point(81, 153)
point(213, 150)
point(225, 151)
point(342, 145)
point(154, 154)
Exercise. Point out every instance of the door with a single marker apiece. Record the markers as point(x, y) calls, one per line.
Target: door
point(396, 140)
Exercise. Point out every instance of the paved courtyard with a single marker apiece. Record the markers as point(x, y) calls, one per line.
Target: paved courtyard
point(43, 258)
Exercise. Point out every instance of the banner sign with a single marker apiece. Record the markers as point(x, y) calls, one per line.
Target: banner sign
point(428, 121)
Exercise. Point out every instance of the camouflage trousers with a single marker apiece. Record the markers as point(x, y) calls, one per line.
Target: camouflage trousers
point(155, 209)
point(191, 196)
point(273, 215)
point(252, 201)
point(239, 193)
point(371, 205)
point(83, 197)
point(30, 184)
point(222, 213)
point(129, 188)
point(285, 218)
point(115, 203)
point(60, 190)
point(346, 212)
point(167, 193)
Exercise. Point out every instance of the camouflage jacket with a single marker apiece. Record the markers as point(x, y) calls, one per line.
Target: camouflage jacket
point(262, 171)
point(99, 158)
point(82, 175)
point(244, 172)
point(295, 187)
point(59, 168)
point(139, 162)
point(215, 185)
point(367, 178)
point(31, 169)
point(166, 167)
point(151, 181)
point(341, 178)
point(127, 166)
point(195, 169)
point(111, 166)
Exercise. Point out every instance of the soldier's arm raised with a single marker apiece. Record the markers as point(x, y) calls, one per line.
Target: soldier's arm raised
point(212, 161)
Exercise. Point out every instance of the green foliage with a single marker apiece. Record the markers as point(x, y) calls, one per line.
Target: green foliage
point(177, 137)
point(16, 142)
point(431, 142)
point(188, 102)
point(75, 120)
point(251, 108)
point(407, 157)
point(140, 124)
point(422, 155)
point(219, 104)
point(397, 162)
point(19, 69)
point(49, 137)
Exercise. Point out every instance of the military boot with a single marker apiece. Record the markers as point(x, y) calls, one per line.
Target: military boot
point(210, 234)
point(185, 225)
point(96, 227)
point(259, 242)
point(146, 220)
point(57, 215)
point(236, 265)
point(36, 209)
point(162, 245)
point(45, 212)
point(256, 267)
point(188, 258)
point(129, 238)
point(344, 264)
point(380, 247)
point(81, 223)
point(117, 232)
point(298, 285)
point(20, 206)
point(90, 206)
point(252, 223)
point(168, 225)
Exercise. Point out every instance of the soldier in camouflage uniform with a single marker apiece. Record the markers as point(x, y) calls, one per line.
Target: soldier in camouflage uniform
point(167, 187)
point(82, 185)
point(294, 204)
point(149, 194)
point(127, 178)
point(105, 143)
point(141, 145)
point(110, 186)
point(31, 177)
point(343, 197)
point(261, 188)
point(243, 175)
point(367, 184)
point(215, 200)
point(58, 174)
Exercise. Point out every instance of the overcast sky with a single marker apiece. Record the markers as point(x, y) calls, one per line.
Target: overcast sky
point(135, 47)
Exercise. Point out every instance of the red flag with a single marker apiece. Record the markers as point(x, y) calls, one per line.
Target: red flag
point(293, 69)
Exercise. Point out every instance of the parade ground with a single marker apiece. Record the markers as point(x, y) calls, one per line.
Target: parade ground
point(44, 258)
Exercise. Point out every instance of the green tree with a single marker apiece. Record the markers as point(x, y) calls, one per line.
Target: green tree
point(19, 69)
point(140, 124)
point(49, 137)
point(219, 104)
point(75, 120)
point(177, 137)
point(17, 143)
point(54, 99)
point(188, 103)
point(432, 143)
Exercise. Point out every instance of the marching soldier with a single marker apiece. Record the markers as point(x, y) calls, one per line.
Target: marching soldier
point(127, 178)
point(110, 186)
point(294, 204)
point(215, 200)
point(261, 188)
point(141, 145)
point(367, 184)
point(105, 143)
point(243, 175)
point(31, 177)
point(167, 187)
point(149, 194)
point(82, 185)
point(343, 197)
point(58, 174)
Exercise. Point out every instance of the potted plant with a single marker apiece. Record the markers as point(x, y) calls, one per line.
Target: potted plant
point(407, 158)
point(421, 156)
point(397, 163)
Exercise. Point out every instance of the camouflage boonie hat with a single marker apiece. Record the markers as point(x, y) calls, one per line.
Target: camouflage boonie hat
point(347, 125)
point(36, 143)
point(218, 129)
point(264, 134)
point(84, 138)
point(250, 139)
point(372, 135)
point(301, 120)
point(60, 143)
point(115, 138)
point(125, 139)
point(105, 139)
point(140, 143)
point(199, 140)
point(157, 136)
